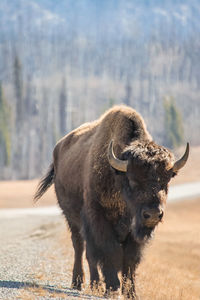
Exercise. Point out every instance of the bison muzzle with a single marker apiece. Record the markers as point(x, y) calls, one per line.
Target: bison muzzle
point(111, 181)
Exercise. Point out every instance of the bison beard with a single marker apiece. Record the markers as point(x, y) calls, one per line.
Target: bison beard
point(142, 233)
point(111, 182)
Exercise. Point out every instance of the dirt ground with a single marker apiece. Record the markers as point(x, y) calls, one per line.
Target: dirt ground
point(18, 194)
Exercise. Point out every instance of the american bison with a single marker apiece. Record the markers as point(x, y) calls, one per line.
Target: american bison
point(111, 181)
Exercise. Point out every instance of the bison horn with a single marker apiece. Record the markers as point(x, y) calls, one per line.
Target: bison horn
point(120, 165)
point(181, 162)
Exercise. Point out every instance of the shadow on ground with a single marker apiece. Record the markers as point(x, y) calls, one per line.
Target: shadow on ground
point(9, 284)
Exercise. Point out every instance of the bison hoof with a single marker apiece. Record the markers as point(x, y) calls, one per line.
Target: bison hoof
point(111, 294)
point(76, 284)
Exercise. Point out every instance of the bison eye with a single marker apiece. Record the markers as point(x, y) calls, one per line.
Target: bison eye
point(133, 183)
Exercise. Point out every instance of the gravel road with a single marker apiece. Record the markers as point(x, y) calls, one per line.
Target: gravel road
point(33, 260)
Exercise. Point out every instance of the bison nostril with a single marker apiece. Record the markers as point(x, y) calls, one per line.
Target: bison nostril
point(161, 215)
point(146, 215)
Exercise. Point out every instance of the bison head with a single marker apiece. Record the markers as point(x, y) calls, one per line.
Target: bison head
point(145, 171)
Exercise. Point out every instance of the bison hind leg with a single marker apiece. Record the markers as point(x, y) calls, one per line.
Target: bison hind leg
point(72, 216)
point(78, 244)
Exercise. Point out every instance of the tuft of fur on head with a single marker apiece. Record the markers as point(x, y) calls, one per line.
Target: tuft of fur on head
point(151, 153)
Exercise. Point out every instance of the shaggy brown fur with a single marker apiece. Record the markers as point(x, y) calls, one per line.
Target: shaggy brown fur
point(113, 211)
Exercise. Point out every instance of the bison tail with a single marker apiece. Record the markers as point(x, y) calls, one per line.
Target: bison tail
point(45, 183)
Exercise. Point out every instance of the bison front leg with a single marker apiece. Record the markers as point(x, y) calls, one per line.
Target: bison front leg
point(131, 258)
point(108, 266)
point(109, 269)
point(94, 275)
point(102, 248)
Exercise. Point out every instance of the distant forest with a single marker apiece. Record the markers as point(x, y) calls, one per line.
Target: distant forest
point(62, 66)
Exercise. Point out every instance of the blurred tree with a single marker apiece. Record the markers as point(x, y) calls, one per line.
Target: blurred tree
point(63, 109)
point(18, 86)
point(111, 102)
point(20, 130)
point(4, 130)
point(128, 93)
point(173, 124)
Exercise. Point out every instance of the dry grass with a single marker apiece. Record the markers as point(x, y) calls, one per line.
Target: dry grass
point(38, 292)
point(170, 269)
point(171, 266)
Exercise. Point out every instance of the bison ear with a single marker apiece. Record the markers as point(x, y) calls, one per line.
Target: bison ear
point(117, 164)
